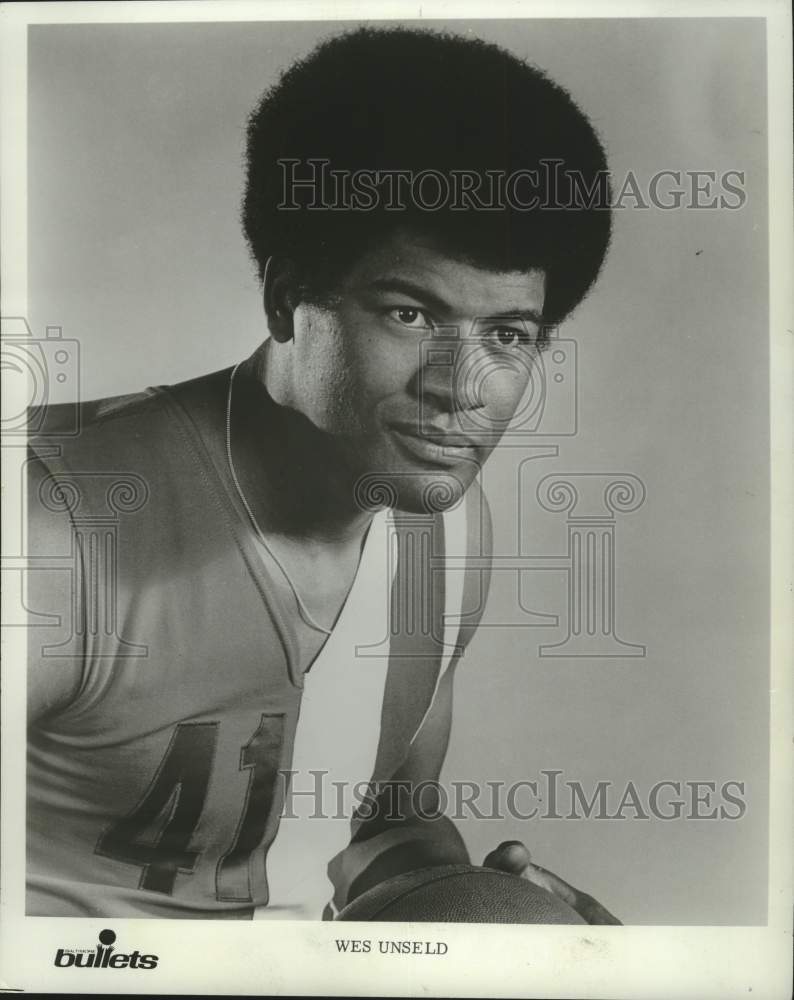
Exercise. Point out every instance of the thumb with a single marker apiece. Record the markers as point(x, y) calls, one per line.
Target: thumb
point(510, 856)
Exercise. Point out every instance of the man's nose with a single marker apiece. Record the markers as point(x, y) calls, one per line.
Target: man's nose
point(447, 379)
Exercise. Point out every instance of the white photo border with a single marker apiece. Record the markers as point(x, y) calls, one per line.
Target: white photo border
point(222, 957)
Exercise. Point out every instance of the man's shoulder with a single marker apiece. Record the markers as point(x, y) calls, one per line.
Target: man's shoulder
point(118, 448)
point(468, 547)
point(109, 428)
point(468, 527)
point(68, 426)
point(478, 520)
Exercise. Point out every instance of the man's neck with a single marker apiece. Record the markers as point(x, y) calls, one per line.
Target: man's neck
point(295, 480)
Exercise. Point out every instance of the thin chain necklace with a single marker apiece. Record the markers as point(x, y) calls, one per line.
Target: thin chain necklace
point(302, 609)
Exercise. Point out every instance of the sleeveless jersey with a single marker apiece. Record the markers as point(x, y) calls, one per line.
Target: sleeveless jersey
point(180, 773)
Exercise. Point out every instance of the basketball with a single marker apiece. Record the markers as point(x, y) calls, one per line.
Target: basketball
point(460, 894)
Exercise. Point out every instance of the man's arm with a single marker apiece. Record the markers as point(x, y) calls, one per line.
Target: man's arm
point(404, 831)
point(401, 830)
point(396, 838)
point(54, 571)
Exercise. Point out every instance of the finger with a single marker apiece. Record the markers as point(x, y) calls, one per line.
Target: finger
point(513, 856)
point(595, 913)
point(552, 883)
point(585, 905)
point(510, 856)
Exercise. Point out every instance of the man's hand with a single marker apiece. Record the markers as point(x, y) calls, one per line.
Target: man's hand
point(512, 856)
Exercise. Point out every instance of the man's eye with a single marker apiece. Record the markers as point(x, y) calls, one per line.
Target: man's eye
point(510, 336)
point(410, 316)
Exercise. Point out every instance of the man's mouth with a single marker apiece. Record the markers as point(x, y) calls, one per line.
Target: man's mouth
point(434, 445)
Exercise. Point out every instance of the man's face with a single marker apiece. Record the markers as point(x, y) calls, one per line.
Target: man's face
point(416, 367)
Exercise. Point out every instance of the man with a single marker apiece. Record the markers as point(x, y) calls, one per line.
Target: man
point(299, 551)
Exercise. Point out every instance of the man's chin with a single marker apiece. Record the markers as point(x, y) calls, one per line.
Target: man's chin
point(415, 491)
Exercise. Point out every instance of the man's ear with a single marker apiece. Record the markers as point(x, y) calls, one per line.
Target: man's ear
point(279, 287)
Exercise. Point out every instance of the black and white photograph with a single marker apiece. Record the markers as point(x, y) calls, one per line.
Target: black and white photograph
point(397, 497)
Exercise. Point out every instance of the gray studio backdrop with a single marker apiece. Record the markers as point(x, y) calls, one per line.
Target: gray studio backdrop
point(135, 144)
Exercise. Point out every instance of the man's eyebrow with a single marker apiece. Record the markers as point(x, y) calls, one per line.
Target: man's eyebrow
point(529, 314)
point(404, 286)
